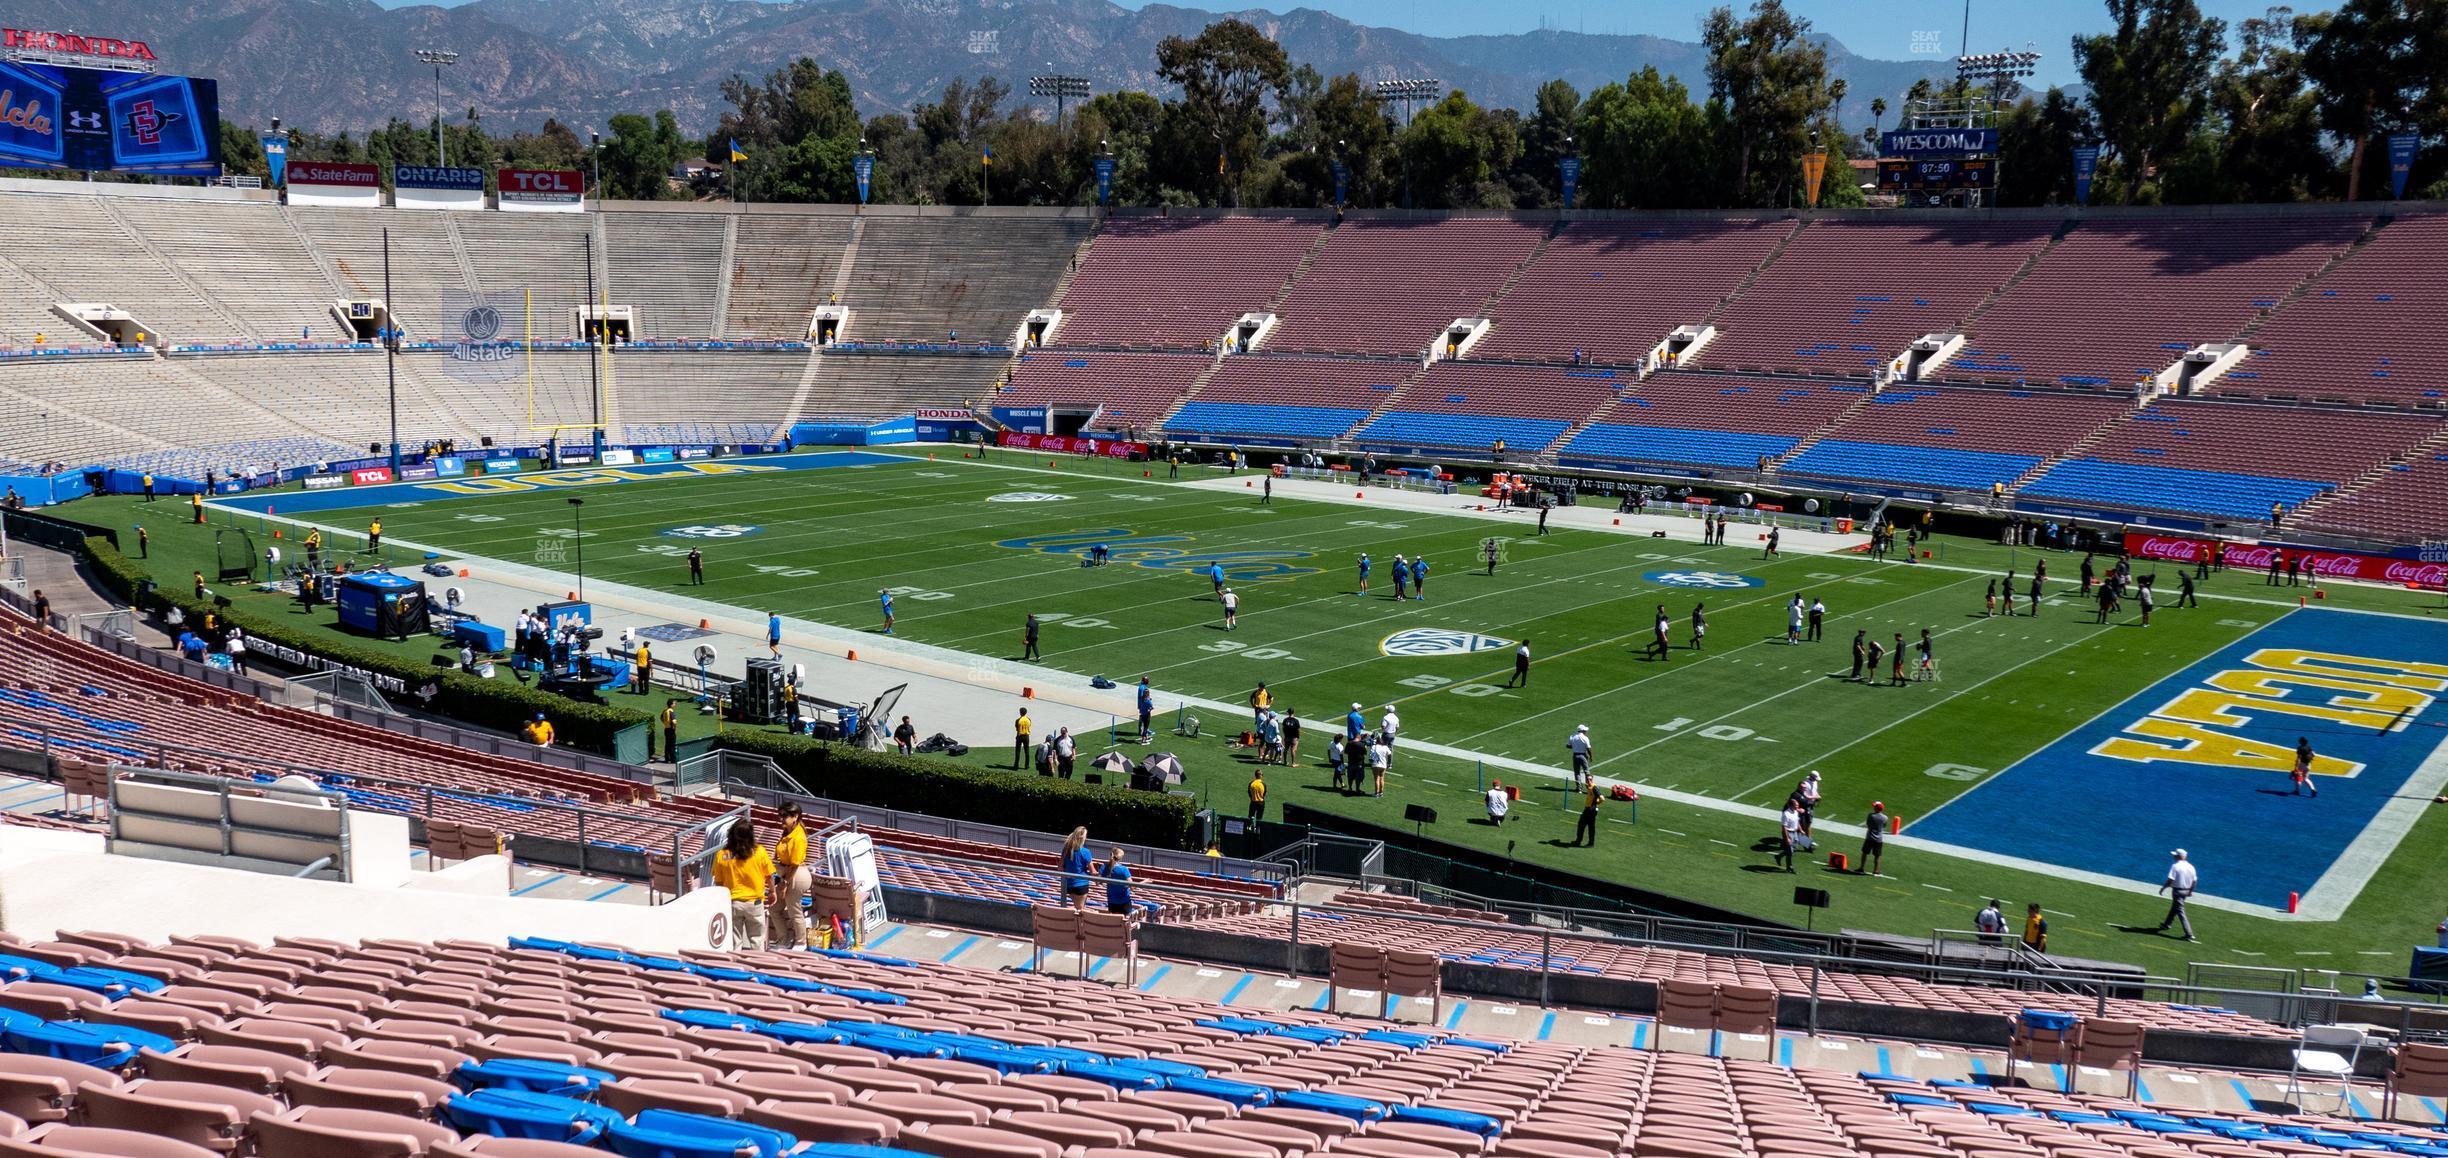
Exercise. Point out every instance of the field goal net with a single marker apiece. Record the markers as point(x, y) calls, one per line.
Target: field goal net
point(234, 556)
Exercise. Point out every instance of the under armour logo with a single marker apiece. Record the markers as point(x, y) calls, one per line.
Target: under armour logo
point(85, 122)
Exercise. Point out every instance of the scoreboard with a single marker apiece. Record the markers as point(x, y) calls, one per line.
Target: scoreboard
point(100, 120)
point(1912, 176)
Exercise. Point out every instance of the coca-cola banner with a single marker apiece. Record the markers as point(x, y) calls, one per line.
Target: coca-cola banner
point(2326, 564)
point(1066, 445)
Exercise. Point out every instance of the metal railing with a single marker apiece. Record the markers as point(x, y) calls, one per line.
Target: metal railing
point(725, 769)
point(227, 829)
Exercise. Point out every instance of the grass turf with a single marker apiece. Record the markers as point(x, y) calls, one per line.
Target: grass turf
point(1739, 721)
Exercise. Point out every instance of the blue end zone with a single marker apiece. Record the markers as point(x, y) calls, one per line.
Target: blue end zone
point(2069, 805)
point(482, 486)
point(2170, 488)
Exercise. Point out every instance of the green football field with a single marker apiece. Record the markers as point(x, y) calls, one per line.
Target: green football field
point(969, 549)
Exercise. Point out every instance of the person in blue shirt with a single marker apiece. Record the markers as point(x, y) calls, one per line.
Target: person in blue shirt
point(885, 597)
point(1117, 885)
point(1076, 865)
point(1402, 577)
point(773, 633)
point(1364, 570)
point(1419, 578)
point(1215, 577)
point(1354, 724)
point(1147, 712)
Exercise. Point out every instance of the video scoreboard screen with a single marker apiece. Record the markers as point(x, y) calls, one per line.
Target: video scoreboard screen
point(90, 119)
point(1936, 176)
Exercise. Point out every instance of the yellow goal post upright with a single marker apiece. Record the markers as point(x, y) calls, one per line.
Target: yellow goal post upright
point(549, 421)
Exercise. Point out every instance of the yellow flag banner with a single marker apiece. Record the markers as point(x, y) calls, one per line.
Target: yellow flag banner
point(1814, 167)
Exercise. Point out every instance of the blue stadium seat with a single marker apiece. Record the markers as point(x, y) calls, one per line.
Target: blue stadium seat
point(1669, 444)
point(514, 1113)
point(1462, 431)
point(2170, 488)
point(1962, 470)
point(530, 1074)
point(673, 1134)
point(1260, 420)
point(101, 1046)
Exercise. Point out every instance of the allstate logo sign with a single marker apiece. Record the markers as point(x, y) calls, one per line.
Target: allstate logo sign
point(1029, 497)
point(1703, 580)
point(1425, 642)
point(719, 531)
point(481, 324)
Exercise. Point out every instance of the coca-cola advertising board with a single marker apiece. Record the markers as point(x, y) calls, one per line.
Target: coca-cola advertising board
point(2324, 564)
point(1064, 444)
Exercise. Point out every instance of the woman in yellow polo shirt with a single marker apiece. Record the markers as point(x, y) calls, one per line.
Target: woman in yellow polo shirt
point(743, 868)
point(790, 853)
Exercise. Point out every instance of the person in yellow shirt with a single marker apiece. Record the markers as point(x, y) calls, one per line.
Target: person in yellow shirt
point(1022, 729)
point(642, 681)
point(671, 732)
point(790, 853)
point(374, 535)
point(1257, 792)
point(743, 868)
point(196, 502)
point(314, 549)
point(539, 731)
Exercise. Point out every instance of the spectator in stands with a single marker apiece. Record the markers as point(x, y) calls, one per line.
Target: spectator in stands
point(905, 736)
point(1499, 802)
point(2181, 879)
point(744, 868)
point(1117, 883)
point(1874, 838)
point(539, 731)
point(671, 731)
point(791, 883)
point(192, 646)
point(1076, 866)
point(42, 610)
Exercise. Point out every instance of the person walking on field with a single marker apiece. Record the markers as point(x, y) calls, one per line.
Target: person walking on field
point(1773, 536)
point(1874, 838)
point(1028, 638)
point(1586, 830)
point(2182, 878)
point(1521, 666)
point(1699, 624)
point(1232, 610)
point(696, 562)
point(1861, 653)
point(1578, 744)
point(1895, 675)
point(2303, 767)
point(1660, 646)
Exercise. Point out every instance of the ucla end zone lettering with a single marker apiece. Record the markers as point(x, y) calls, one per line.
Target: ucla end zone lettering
point(2204, 759)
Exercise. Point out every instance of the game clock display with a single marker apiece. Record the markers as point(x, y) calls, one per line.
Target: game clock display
point(85, 119)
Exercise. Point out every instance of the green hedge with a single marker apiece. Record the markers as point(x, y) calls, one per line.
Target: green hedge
point(501, 704)
point(939, 787)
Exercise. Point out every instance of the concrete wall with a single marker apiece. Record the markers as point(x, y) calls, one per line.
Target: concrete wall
point(63, 880)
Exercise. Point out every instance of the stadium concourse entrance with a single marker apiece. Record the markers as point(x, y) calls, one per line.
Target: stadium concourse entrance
point(1070, 422)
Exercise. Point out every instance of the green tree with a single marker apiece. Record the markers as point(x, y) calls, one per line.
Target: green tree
point(1454, 154)
point(1339, 119)
point(639, 155)
point(1552, 130)
point(1227, 75)
point(1645, 145)
point(2379, 66)
point(2263, 139)
point(1124, 122)
point(2036, 142)
point(1774, 81)
point(2150, 81)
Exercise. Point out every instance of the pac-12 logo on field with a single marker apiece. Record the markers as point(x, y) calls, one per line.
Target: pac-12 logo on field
point(702, 531)
point(1705, 580)
point(1028, 497)
point(1422, 642)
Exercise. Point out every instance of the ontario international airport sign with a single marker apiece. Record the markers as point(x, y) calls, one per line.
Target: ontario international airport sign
point(543, 190)
point(433, 187)
point(1938, 142)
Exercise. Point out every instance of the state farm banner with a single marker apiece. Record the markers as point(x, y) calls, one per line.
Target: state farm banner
point(2325, 564)
point(542, 190)
point(1064, 444)
point(334, 183)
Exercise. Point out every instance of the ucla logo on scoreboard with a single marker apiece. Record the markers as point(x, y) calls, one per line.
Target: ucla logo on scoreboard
point(1703, 580)
point(1430, 642)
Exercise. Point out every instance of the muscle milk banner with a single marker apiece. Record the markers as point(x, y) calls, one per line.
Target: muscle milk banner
point(2325, 564)
point(335, 183)
point(543, 190)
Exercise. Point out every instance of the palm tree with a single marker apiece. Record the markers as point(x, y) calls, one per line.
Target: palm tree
point(1878, 111)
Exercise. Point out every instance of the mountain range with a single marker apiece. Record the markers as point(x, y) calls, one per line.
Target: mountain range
point(330, 65)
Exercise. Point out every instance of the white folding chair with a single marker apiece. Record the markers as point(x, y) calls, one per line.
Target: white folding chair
point(2326, 1053)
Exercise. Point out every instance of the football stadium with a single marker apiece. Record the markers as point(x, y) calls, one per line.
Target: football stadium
point(489, 668)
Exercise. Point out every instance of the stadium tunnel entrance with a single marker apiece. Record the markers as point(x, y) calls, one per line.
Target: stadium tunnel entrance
point(611, 325)
point(110, 323)
point(364, 321)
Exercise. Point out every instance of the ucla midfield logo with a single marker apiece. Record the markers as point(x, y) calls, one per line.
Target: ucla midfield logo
point(1430, 642)
point(1167, 553)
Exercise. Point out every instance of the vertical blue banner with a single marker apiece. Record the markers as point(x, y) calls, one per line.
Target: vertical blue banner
point(2401, 161)
point(276, 157)
point(1104, 176)
point(2086, 164)
point(863, 168)
point(1572, 179)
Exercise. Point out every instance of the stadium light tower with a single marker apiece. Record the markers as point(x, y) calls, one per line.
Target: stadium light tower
point(1062, 88)
point(1409, 90)
point(439, 58)
point(2003, 70)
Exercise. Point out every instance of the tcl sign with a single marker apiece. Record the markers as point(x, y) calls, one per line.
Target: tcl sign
point(31, 40)
point(542, 184)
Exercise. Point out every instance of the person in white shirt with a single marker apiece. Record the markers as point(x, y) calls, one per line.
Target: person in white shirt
point(1991, 922)
point(1389, 726)
point(1789, 834)
point(1579, 745)
point(1232, 609)
point(1499, 802)
point(236, 649)
point(2181, 879)
point(1379, 756)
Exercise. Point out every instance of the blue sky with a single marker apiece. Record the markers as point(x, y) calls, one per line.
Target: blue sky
point(1875, 28)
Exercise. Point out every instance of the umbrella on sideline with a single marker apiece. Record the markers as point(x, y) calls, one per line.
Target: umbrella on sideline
point(1112, 764)
point(1163, 767)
